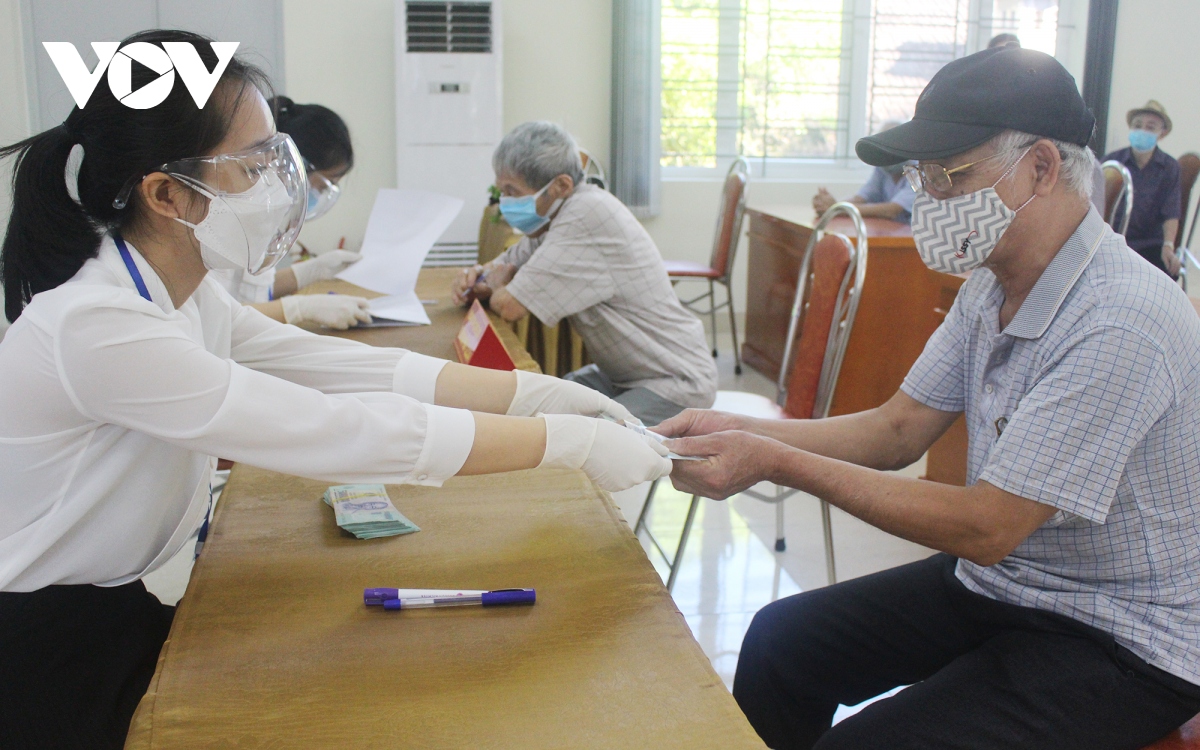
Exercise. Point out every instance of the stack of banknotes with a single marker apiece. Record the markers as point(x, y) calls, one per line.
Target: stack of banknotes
point(366, 511)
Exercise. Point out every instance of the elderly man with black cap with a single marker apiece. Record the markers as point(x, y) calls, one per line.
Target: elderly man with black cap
point(1064, 610)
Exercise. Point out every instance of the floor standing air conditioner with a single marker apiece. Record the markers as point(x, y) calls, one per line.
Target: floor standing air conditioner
point(448, 110)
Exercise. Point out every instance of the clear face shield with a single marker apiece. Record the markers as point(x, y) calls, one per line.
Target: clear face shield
point(256, 203)
point(322, 194)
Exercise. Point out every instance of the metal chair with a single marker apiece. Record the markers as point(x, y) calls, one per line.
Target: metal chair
point(1118, 191)
point(720, 263)
point(828, 290)
point(593, 171)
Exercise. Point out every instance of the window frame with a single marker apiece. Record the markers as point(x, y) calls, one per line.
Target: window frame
point(857, 16)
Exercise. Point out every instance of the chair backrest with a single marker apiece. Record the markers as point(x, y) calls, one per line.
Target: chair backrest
point(1118, 191)
point(1189, 168)
point(729, 218)
point(593, 170)
point(827, 294)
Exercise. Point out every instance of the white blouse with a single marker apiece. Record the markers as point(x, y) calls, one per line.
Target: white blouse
point(244, 288)
point(112, 407)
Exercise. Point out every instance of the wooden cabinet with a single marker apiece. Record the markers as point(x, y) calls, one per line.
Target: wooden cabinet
point(903, 303)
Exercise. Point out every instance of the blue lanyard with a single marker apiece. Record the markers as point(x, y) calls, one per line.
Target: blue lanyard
point(133, 269)
point(142, 290)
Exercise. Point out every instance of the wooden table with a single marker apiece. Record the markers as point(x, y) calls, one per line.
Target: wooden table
point(436, 340)
point(273, 647)
point(903, 303)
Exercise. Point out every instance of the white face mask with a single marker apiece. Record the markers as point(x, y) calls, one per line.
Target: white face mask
point(958, 234)
point(240, 227)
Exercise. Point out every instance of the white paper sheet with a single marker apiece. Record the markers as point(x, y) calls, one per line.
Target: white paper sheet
point(403, 226)
point(399, 309)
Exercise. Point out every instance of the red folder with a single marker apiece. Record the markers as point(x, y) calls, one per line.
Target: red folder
point(478, 344)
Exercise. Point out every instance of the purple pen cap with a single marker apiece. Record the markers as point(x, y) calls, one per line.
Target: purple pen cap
point(376, 597)
point(509, 596)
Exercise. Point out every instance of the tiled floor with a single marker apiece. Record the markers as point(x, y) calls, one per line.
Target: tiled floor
point(730, 569)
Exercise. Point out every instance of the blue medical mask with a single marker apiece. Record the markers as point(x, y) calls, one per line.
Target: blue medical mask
point(1142, 140)
point(521, 211)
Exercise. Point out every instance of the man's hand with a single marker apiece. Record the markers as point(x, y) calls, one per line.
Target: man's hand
point(822, 201)
point(694, 422)
point(735, 461)
point(498, 275)
point(462, 288)
point(1170, 259)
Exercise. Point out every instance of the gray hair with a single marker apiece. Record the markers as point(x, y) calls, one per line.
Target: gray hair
point(1078, 163)
point(537, 152)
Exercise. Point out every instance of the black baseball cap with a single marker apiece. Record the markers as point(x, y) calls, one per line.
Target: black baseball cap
point(974, 98)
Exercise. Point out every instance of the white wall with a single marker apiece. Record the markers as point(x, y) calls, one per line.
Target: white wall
point(341, 55)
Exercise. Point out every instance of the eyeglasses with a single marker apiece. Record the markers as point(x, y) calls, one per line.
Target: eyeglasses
point(323, 192)
point(937, 177)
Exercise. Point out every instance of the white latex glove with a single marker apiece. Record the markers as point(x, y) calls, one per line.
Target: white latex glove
point(324, 266)
point(541, 394)
point(329, 310)
point(614, 457)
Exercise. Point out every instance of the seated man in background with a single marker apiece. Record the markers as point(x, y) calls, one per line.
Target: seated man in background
point(585, 257)
point(1156, 187)
point(886, 194)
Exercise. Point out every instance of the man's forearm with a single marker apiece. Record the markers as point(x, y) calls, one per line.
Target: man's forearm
point(506, 306)
point(864, 438)
point(891, 436)
point(880, 210)
point(980, 523)
point(1170, 229)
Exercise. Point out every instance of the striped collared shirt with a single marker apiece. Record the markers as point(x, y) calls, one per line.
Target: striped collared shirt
point(1088, 401)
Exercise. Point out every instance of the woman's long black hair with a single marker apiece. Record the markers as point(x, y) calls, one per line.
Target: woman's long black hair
point(50, 235)
point(320, 133)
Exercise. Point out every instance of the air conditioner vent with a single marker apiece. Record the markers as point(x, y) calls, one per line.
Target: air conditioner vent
point(448, 27)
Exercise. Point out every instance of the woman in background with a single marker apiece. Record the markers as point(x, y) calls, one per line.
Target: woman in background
point(324, 143)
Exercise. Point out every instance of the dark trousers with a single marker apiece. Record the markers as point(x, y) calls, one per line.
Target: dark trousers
point(642, 403)
point(983, 674)
point(74, 662)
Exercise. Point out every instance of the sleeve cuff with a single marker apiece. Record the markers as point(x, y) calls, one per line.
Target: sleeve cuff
point(416, 376)
point(941, 404)
point(449, 435)
point(1002, 477)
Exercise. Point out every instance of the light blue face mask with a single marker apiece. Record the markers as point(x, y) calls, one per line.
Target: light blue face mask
point(1142, 140)
point(521, 211)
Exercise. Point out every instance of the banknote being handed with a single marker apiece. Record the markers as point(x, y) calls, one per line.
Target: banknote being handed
point(366, 511)
point(641, 430)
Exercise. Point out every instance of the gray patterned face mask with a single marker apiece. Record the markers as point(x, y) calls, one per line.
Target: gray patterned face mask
point(958, 234)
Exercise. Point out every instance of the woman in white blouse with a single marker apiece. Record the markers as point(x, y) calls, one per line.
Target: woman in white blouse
point(126, 370)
